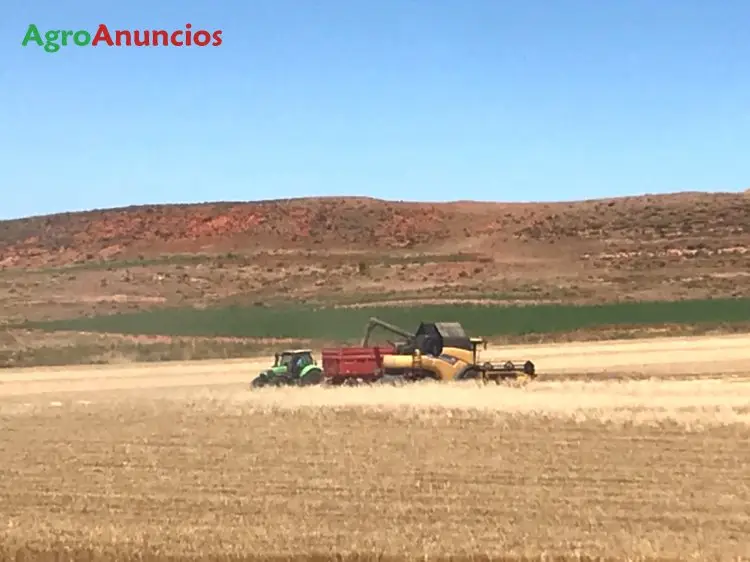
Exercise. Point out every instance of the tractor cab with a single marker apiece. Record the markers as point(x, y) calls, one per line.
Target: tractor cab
point(294, 360)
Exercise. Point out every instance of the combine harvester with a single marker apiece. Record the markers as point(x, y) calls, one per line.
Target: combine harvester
point(439, 351)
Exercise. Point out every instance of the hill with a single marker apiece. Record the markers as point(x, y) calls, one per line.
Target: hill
point(665, 222)
point(651, 247)
point(354, 252)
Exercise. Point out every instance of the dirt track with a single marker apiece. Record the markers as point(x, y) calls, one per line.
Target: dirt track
point(667, 357)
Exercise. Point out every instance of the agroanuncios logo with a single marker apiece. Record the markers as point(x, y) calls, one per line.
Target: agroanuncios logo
point(54, 39)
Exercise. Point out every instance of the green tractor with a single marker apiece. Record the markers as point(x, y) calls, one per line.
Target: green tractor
point(293, 367)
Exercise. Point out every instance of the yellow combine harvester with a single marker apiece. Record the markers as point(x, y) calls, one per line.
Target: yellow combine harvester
point(442, 351)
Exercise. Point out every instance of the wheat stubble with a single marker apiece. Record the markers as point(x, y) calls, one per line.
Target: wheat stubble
point(630, 470)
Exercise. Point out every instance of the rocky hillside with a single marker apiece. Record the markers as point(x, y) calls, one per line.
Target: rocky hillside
point(631, 228)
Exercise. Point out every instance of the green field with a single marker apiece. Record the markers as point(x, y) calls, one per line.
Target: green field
point(347, 324)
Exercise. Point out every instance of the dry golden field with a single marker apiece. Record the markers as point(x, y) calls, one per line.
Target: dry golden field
point(183, 460)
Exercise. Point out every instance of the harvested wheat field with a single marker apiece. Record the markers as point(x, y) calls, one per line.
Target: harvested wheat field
point(558, 469)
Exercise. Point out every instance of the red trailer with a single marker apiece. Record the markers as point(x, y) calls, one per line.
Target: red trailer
point(351, 365)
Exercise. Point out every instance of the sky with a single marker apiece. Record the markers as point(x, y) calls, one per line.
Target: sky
point(433, 100)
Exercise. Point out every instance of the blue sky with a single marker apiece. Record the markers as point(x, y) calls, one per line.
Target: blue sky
point(510, 100)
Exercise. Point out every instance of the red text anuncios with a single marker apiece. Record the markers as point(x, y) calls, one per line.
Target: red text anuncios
point(156, 37)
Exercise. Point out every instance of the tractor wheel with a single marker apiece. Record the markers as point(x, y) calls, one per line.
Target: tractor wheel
point(311, 378)
point(260, 381)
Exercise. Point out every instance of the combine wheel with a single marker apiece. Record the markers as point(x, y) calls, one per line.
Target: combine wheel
point(470, 373)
